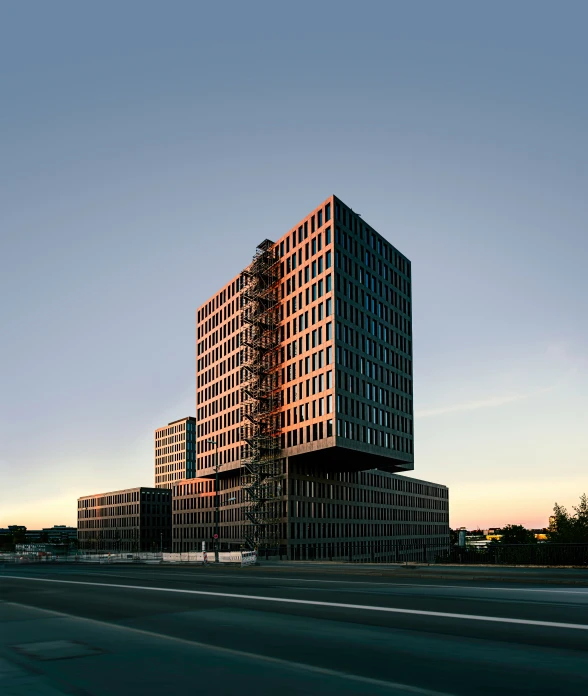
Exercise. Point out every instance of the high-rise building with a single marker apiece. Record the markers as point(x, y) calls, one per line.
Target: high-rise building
point(175, 452)
point(344, 354)
point(304, 372)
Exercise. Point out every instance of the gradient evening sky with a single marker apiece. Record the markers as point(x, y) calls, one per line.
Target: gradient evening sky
point(146, 148)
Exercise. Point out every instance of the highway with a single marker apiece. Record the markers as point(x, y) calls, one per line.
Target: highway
point(141, 629)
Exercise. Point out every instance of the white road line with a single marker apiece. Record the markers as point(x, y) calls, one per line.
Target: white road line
point(204, 574)
point(284, 664)
point(310, 602)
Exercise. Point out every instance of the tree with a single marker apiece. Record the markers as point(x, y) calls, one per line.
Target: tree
point(516, 534)
point(567, 528)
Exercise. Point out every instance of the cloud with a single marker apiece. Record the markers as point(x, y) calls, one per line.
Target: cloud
point(482, 403)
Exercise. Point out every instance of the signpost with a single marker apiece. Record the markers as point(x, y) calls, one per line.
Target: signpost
point(204, 555)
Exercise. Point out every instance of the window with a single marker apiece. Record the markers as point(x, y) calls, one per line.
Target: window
point(320, 264)
point(328, 259)
point(320, 218)
point(327, 212)
point(329, 331)
point(329, 379)
point(329, 308)
point(314, 269)
point(328, 279)
point(329, 355)
point(320, 288)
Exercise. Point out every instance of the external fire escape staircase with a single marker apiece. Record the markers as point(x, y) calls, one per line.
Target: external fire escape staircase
point(260, 399)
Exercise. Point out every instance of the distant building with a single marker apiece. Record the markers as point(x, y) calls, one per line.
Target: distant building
point(135, 519)
point(175, 452)
point(59, 533)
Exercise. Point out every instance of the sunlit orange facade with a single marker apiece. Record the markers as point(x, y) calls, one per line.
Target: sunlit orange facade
point(306, 353)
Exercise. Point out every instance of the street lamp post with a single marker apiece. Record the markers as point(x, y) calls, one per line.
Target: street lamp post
point(216, 502)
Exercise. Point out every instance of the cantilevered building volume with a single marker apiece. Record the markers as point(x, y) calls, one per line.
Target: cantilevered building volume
point(304, 390)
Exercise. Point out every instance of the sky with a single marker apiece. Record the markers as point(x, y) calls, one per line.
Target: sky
point(147, 147)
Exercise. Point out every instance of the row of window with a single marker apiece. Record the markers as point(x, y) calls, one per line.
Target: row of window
point(311, 294)
point(308, 433)
point(348, 290)
point(346, 357)
point(376, 328)
point(316, 222)
point(365, 279)
point(176, 432)
point(359, 410)
point(119, 497)
point(226, 315)
point(369, 237)
point(364, 530)
point(308, 411)
point(360, 345)
point(373, 392)
point(391, 510)
point(183, 447)
point(218, 300)
point(205, 376)
point(373, 436)
point(315, 385)
point(310, 273)
point(306, 365)
point(301, 322)
point(311, 248)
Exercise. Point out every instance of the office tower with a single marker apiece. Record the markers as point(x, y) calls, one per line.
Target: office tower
point(175, 452)
point(304, 364)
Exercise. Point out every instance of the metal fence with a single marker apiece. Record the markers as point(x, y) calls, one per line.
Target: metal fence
point(542, 554)
point(79, 557)
point(412, 551)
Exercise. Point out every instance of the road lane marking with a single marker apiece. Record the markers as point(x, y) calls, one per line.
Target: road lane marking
point(310, 602)
point(284, 664)
point(205, 574)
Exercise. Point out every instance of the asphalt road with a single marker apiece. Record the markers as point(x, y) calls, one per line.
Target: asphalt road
point(109, 630)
